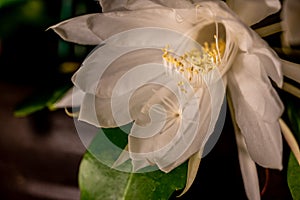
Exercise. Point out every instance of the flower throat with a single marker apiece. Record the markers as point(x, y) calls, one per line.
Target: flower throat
point(194, 63)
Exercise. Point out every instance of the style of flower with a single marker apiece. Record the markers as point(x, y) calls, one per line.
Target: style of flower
point(228, 51)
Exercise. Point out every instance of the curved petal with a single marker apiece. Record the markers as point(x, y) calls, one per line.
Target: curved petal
point(270, 63)
point(122, 21)
point(178, 136)
point(118, 5)
point(255, 87)
point(108, 63)
point(257, 109)
point(248, 168)
point(290, 19)
point(181, 130)
point(118, 110)
point(76, 30)
point(236, 30)
point(101, 71)
point(127, 97)
point(253, 11)
point(72, 98)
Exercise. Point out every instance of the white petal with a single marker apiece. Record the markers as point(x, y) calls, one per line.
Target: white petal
point(102, 70)
point(110, 112)
point(72, 98)
point(247, 165)
point(88, 113)
point(118, 5)
point(255, 87)
point(271, 64)
point(181, 135)
point(123, 53)
point(290, 21)
point(112, 5)
point(123, 21)
point(253, 11)
point(174, 3)
point(76, 30)
point(248, 168)
point(262, 134)
point(119, 109)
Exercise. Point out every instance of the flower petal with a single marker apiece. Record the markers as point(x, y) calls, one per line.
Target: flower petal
point(121, 107)
point(118, 5)
point(253, 11)
point(255, 87)
point(257, 109)
point(270, 63)
point(72, 98)
point(76, 30)
point(116, 112)
point(248, 168)
point(122, 21)
point(177, 137)
point(101, 71)
point(290, 19)
point(247, 165)
point(171, 139)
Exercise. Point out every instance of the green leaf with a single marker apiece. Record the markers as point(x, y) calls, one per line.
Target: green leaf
point(293, 174)
point(40, 100)
point(98, 181)
point(293, 171)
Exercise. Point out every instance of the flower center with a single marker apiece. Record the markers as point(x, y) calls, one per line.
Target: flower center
point(194, 63)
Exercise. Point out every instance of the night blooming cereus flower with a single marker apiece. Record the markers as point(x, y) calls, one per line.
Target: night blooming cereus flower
point(167, 67)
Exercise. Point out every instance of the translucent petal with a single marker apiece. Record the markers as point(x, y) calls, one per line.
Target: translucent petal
point(270, 63)
point(72, 98)
point(76, 30)
point(123, 105)
point(117, 5)
point(262, 134)
point(123, 53)
point(168, 136)
point(172, 136)
point(255, 87)
point(122, 21)
point(248, 168)
point(101, 71)
point(253, 11)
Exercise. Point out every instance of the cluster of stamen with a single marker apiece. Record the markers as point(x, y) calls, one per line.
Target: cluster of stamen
point(194, 63)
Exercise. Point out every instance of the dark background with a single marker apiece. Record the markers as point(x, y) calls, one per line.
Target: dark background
point(40, 153)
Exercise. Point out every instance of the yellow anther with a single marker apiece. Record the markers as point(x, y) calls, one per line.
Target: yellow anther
point(180, 83)
point(195, 62)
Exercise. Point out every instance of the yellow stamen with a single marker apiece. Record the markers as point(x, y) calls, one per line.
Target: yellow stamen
point(194, 63)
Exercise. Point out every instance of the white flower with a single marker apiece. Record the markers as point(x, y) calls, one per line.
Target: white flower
point(225, 48)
